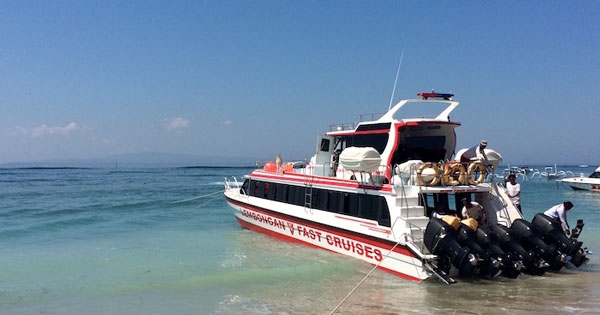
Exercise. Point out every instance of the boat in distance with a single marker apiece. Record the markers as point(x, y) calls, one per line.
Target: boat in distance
point(388, 192)
point(591, 182)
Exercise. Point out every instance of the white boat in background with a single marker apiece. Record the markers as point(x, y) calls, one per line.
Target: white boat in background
point(591, 182)
point(371, 191)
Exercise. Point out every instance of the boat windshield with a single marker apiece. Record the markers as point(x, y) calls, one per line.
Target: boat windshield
point(421, 109)
point(595, 175)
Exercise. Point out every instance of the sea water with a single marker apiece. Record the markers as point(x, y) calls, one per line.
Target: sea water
point(126, 241)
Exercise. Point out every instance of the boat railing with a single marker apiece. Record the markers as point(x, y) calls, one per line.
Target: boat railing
point(234, 184)
point(352, 126)
point(341, 127)
point(369, 117)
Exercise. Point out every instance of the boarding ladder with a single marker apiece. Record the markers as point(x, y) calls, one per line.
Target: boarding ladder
point(308, 191)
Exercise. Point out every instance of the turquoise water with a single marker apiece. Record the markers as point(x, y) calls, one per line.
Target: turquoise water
point(111, 241)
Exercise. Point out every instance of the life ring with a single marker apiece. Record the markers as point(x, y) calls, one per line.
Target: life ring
point(436, 177)
point(476, 166)
point(451, 169)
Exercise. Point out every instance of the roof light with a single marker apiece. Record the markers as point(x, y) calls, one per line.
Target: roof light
point(432, 94)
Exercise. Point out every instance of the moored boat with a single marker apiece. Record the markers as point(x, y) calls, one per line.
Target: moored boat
point(372, 192)
point(591, 182)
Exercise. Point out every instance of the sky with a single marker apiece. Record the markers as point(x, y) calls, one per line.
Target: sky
point(255, 79)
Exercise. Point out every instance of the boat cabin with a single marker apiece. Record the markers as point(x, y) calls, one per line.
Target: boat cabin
point(429, 138)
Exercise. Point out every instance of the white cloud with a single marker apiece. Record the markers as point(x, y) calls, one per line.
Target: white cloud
point(45, 130)
point(177, 124)
point(228, 123)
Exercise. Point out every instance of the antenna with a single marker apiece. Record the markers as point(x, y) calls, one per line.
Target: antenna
point(396, 80)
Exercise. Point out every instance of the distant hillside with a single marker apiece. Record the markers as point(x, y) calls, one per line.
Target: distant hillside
point(144, 159)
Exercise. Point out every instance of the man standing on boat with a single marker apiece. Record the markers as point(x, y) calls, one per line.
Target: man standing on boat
point(514, 191)
point(559, 213)
point(474, 210)
point(476, 152)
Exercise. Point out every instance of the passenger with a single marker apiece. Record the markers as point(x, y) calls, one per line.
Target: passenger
point(559, 213)
point(514, 191)
point(472, 209)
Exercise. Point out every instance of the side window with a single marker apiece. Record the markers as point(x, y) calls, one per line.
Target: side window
point(300, 195)
point(291, 195)
point(244, 189)
point(384, 212)
point(314, 199)
point(261, 192)
point(369, 207)
point(427, 201)
point(325, 145)
point(334, 201)
point(322, 200)
point(272, 190)
point(281, 192)
point(252, 184)
point(352, 206)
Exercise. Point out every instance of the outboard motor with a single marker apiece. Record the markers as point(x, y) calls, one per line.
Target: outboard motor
point(533, 263)
point(531, 239)
point(488, 264)
point(510, 264)
point(553, 233)
point(441, 239)
point(580, 257)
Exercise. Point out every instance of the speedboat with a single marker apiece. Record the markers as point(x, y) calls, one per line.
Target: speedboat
point(389, 192)
point(591, 182)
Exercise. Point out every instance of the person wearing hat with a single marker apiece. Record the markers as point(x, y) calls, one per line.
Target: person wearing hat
point(559, 213)
point(514, 191)
point(472, 209)
point(476, 152)
point(480, 153)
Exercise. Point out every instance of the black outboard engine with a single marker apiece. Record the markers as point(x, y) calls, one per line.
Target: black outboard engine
point(510, 264)
point(488, 264)
point(441, 239)
point(532, 240)
point(533, 263)
point(552, 232)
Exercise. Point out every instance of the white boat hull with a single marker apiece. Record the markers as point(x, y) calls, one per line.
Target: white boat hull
point(401, 261)
point(583, 183)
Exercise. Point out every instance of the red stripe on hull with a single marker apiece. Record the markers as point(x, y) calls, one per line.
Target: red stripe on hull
point(290, 239)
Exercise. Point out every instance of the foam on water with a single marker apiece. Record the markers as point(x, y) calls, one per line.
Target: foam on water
point(99, 241)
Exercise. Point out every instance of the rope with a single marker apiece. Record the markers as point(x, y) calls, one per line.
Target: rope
point(190, 199)
point(363, 280)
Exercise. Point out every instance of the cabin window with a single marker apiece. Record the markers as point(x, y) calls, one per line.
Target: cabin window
point(351, 208)
point(430, 148)
point(281, 192)
point(260, 191)
point(253, 184)
point(325, 145)
point(368, 207)
point(291, 195)
point(335, 203)
point(322, 200)
point(377, 141)
point(245, 185)
point(300, 196)
point(271, 190)
point(595, 175)
point(384, 212)
point(353, 204)
point(449, 203)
